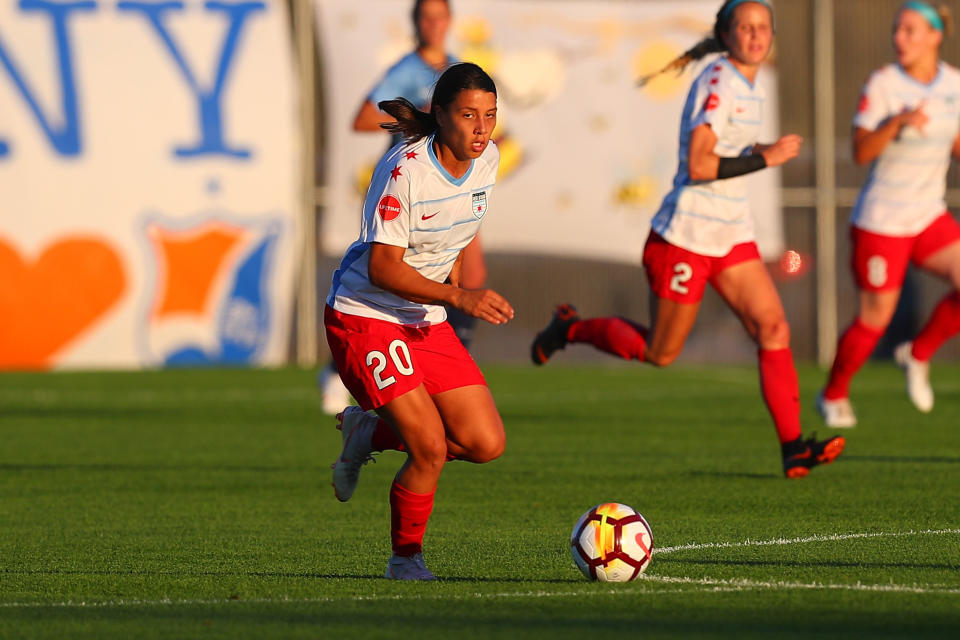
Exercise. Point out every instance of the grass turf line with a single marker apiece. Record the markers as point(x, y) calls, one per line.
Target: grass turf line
point(211, 489)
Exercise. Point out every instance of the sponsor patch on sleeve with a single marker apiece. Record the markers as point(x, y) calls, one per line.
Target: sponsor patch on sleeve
point(388, 207)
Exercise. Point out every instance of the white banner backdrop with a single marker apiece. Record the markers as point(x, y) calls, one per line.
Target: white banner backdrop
point(586, 155)
point(148, 171)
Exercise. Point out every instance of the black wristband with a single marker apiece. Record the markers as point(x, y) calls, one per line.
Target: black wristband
point(733, 167)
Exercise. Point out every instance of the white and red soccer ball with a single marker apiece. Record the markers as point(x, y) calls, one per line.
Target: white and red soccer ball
point(612, 543)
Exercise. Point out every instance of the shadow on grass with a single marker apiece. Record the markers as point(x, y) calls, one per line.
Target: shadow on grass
point(817, 563)
point(273, 574)
point(147, 467)
point(734, 474)
point(903, 459)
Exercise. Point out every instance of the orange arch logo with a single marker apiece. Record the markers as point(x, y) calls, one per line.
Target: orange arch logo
point(48, 302)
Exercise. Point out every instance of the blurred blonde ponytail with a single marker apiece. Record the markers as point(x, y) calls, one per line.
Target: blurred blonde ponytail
point(947, 17)
point(703, 48)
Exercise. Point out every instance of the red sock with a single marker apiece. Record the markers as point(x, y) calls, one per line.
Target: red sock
point(409, 513)
point(855, 346)
point(384, 438)
point(943, 325)
point(781, 391)
point(618, 336)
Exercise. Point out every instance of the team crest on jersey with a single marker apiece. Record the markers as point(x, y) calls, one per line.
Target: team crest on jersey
point(480, 204)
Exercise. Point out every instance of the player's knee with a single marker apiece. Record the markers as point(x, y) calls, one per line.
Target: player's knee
point(489, 449)
point(428, 455)
point(661, 359)
point(774, 333)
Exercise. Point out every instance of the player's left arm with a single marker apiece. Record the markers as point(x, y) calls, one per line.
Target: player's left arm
point(388, 271)
point(455, 275)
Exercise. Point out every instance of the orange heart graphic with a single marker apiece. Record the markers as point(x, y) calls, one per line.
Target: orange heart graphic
point(45, 305)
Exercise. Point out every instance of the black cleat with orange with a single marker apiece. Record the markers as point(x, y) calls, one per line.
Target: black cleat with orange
point(555, 335)
point(802, 455)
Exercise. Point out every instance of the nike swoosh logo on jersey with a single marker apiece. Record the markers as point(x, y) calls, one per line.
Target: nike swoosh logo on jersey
point(426, 217)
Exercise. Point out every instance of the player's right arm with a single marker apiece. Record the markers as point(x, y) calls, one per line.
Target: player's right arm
point(868, 145)
point(388, 271)
point(874, 125)
point(715, 98)
point(705, 164)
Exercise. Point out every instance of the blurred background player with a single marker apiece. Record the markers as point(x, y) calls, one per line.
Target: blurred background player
point(704, 233)
point(907, 125)
point(385, 314)
point(412, 78)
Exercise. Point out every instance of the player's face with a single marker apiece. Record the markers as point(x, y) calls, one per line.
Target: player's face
point(751, 33)
point(467, 122)
point(433, 23)
point(914, 39)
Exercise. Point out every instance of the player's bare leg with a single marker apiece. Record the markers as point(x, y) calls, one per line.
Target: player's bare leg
point(672, 323)
point(944, 323)
point(749, 291)
point(473, 425)
point(853, 350)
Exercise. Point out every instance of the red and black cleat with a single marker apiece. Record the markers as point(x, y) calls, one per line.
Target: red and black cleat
point(554, 337)
point(802, 455)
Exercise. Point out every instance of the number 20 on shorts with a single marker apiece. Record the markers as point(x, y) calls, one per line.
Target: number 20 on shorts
point(402, 363)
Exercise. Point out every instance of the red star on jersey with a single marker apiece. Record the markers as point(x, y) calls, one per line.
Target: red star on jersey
point(395, 172)
point(411, 155)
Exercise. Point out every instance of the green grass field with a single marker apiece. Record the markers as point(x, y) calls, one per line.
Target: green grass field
point(197, 504)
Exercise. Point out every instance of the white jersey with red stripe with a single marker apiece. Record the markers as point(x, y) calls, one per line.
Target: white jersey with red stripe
point(414, 203)
point(907, 184)
point(710, 217)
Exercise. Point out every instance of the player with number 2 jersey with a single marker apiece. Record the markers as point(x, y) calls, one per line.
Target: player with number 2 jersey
point(703, 233)
point(385, 319)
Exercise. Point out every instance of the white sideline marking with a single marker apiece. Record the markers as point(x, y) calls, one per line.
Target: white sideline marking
point(712, 585)
point(814, 538)
point(743, 584)
point(706, 584)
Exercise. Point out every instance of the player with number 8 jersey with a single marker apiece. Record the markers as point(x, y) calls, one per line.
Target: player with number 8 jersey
point(703, 233)
point(907, 128)
point(419, 389)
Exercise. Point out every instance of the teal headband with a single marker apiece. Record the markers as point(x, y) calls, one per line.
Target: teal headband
point(727, 10)
point(927, 11)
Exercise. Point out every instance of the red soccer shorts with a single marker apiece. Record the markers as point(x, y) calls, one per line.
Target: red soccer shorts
point(681, 275)
point(880, 262)
point(379, 360)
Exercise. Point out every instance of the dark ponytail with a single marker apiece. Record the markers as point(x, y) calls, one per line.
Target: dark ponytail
point(711, 44)
point(413, 124)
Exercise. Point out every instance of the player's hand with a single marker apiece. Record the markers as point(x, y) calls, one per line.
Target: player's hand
point(783, 150)
point(485, 304)
point(916, 118)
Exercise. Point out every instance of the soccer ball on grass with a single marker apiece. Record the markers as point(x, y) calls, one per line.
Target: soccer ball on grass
point(612, 543)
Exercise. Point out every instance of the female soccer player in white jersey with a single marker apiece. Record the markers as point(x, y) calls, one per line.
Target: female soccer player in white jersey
point(385, 318)
point(412, 77)
point(907, 125)
point(703, 233)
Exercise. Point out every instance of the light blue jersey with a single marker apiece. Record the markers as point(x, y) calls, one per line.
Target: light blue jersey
point(411, 78)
